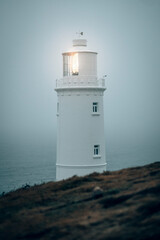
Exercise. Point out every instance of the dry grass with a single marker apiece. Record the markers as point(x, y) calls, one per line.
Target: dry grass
point(129, 207)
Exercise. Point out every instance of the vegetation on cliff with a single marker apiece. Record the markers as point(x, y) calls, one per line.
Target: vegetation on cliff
point(114, 205)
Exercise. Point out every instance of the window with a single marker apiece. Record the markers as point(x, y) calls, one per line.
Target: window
point(74, 64)
point(65, 65)
point(70, 64)
point(57, 108)
point(95, 107)
point(96, 150)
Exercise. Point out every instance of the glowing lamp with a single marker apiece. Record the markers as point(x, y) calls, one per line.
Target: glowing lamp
point(70, 64)
point(74, 64)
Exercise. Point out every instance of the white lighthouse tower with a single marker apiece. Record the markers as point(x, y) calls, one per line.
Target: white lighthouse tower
point(80, 130)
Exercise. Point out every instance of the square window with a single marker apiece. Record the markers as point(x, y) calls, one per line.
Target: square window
point(57, 107)
point(95, 107)
point(96, 150)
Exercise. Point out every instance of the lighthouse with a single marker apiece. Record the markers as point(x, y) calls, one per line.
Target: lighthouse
point(80, 114)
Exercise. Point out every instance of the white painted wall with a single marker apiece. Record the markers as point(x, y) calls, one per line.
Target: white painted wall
point(78, 131)
point(87, 63)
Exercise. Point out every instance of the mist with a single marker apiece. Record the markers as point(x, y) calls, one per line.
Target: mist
point(126, 35)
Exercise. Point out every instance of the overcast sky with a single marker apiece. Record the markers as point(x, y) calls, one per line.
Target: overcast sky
point(126, 35)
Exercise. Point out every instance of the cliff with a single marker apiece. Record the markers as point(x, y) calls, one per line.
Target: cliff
point(123, 204)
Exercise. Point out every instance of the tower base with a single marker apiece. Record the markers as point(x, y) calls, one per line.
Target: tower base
point(66, 171)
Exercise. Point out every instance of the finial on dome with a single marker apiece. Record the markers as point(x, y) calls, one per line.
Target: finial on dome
point(79, 34)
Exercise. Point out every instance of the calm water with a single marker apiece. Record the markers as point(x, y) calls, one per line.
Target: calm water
point(26, 163)
point(33, 162)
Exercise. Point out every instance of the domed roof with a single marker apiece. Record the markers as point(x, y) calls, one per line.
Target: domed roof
point(79, 42)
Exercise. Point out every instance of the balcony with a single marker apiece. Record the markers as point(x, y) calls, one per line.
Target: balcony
point(80, 82)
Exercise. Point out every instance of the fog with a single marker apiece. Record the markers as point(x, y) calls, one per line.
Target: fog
point(126, 35)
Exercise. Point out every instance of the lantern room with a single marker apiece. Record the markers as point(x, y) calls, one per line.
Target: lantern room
point(79, 61)
point(70, 64)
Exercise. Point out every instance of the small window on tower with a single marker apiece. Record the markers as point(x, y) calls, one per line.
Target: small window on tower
point(96, 150)
point(95, 107)
point(57, 108)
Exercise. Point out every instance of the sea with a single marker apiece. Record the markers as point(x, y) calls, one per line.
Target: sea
point(34, 162)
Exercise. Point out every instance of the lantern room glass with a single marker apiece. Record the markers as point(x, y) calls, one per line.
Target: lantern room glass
point(70, 64)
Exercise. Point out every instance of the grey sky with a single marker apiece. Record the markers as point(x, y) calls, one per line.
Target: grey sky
point(126, 34)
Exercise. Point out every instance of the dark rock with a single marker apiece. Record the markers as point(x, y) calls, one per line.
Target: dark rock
point(97, 192)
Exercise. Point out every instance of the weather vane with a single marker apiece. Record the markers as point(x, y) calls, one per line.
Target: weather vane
point(79, 34)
